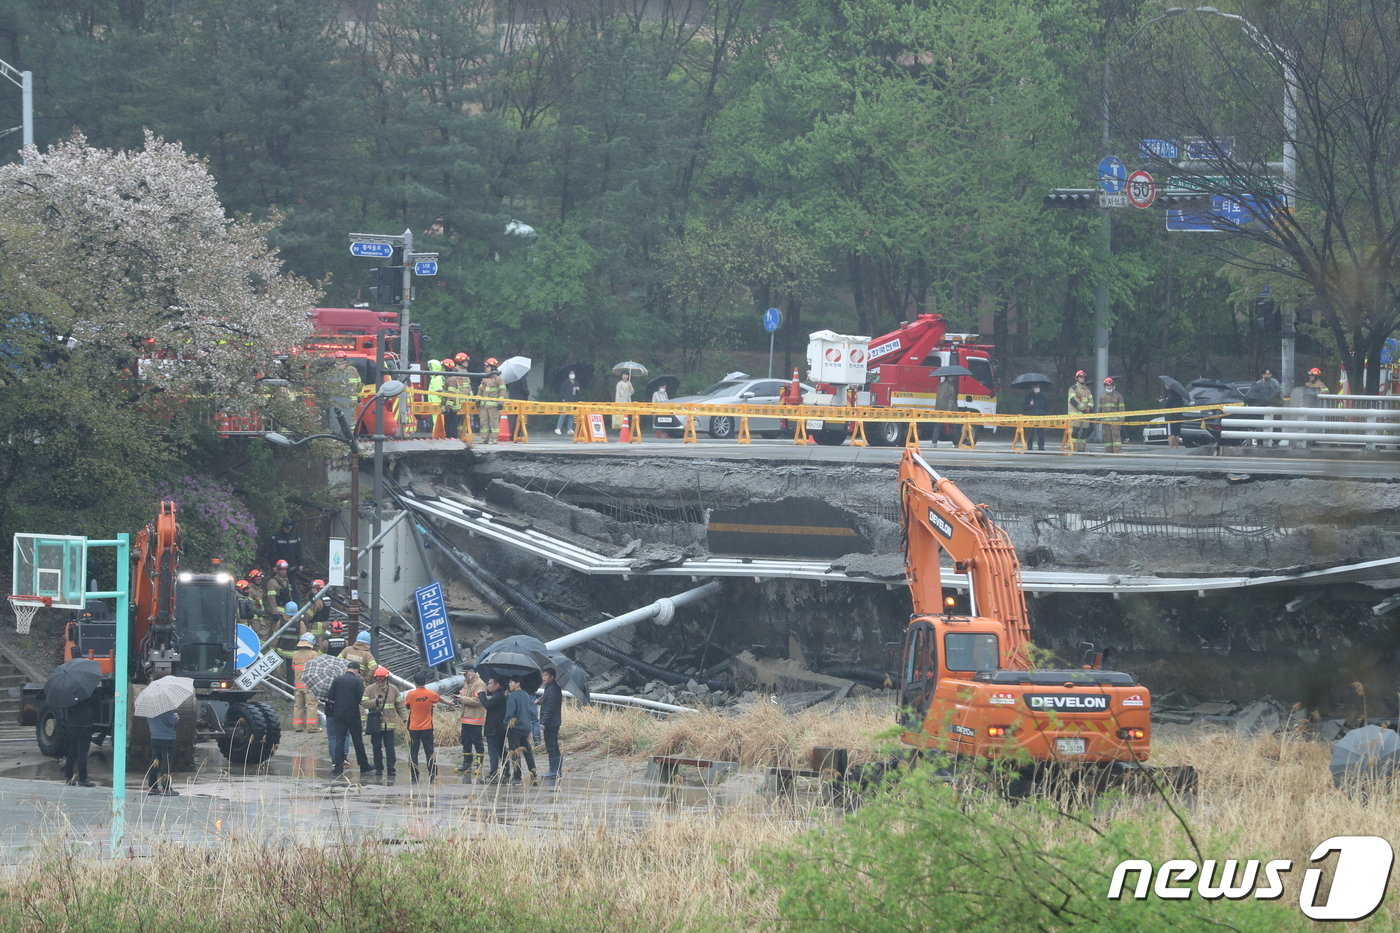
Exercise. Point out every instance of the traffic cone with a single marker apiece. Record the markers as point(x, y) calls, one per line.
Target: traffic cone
point(626, 436)
point(503, 431)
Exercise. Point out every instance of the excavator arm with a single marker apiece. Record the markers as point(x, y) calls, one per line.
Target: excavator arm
point(155, 559)
point(939, 517)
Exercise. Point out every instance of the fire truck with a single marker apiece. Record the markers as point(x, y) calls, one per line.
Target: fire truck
point(895, 370)
point(355, 332)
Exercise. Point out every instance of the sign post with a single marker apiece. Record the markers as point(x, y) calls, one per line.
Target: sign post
point(432, 623)
point(772, 320)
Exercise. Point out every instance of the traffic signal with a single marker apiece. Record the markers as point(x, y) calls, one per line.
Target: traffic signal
point(1072, 197)
point(386, 286)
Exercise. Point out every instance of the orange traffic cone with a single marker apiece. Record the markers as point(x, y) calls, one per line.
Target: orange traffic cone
point(626, 436)
point(503, 432)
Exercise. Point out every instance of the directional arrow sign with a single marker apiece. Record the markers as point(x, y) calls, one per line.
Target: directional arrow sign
point(425, 267)
point(371, 250)
point(247, 647)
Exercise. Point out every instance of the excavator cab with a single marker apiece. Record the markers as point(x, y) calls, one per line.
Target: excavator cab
point(206, 612)
point(919, 674)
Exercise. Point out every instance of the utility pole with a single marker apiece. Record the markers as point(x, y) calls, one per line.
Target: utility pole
point(24, 80)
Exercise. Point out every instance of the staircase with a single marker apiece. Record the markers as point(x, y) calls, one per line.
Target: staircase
point(399, 656)
point(12, 678)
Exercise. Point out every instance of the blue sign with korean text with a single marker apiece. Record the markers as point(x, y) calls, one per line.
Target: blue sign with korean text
point(432, 621)
point(1163, 149)
point(1226, 213)
point(371, 250)
point(425, 267)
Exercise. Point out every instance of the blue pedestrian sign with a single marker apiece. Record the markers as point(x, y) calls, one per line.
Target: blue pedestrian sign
point(432, 622)
point(1112, 175)
point(371, 250)
point(247, 640)
point(772, 319)
point(425, 267)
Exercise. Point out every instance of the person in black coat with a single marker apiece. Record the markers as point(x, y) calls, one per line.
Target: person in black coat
point(343, 716)
point(77, 723)
point(551, 706)
point(1036, 403)
point(493, 700)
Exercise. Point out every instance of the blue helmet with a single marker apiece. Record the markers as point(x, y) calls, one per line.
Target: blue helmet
point(362, 638)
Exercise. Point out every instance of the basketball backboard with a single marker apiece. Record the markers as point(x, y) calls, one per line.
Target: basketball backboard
point(51, 565)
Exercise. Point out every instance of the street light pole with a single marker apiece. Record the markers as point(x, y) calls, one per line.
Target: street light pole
point(386, 392)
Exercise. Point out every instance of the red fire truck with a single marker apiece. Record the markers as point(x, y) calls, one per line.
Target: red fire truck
point(895, 370)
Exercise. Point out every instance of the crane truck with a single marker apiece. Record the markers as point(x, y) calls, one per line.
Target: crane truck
point(968, 684)
point(895, 370)
point(183, 624)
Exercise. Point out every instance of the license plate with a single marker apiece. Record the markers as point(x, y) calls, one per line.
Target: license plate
point(1069, 746)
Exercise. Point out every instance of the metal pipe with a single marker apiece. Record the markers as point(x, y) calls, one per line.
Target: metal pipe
point(662, 607)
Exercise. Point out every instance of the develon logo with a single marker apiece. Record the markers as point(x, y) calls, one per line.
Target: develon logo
point(940, 523)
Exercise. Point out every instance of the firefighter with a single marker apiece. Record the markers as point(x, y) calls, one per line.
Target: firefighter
point(1315, 381)
point(305, 707)
point(279, 591)
point(1081, 402)
point(432, 395)
point(317, 614)
point(337, 637)
point(359, 651)
point(246, 612)
point(451, 404)
point(257, 595)
point(492, 390)
point(1111, 400)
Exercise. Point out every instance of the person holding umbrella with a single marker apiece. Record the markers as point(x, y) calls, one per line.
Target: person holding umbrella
point(1037, 404)
point(343, 716)
point(946, 400)
point(157, 704)
point(568, 393)
point(493, 701)
point(622, 395)
point(77, 729)
point(551, 705)
point(1174, 395)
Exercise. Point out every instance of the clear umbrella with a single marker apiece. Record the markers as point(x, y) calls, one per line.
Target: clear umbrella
point(514, 368)
point(163, 696)
point(1367, 753)
point(629, 366)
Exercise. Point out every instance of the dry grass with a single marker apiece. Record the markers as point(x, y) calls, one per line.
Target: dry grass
point(758, 736)
point(1266, 798)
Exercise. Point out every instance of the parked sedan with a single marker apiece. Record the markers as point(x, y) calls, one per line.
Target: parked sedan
point(1200, 429)
point(734, 389)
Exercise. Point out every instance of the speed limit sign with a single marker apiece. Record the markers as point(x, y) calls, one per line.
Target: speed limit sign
point(1142, 190)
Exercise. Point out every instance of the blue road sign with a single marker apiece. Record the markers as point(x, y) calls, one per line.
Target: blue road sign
point(371, 250)
point(1163, 149)
point(432, 621)
point(1112, 175)
point(247, 640)
point(1226, 213)
point(772, 319)
point(425, 267)
point(1390, 351)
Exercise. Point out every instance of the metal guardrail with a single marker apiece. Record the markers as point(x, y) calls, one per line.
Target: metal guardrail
point(1322, 424)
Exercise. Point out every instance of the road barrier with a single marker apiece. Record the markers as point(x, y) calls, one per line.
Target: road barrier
point(1371, 422)
point(590, 419)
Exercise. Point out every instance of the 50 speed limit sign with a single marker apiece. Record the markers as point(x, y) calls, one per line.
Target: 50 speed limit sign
point(1142, 190)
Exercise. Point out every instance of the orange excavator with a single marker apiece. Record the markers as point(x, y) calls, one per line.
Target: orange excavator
point(183, 624)
point(969, 686)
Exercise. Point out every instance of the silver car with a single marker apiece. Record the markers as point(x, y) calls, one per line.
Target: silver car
point(734, 389)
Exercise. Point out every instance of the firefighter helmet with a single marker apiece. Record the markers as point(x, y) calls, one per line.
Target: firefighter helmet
point(291, 608)
point(381, 671)
point(492, 361)
point(461, 357)
point(241, 585)
point(318, 584)
point(448, 364)
point(255, 574)
point(281, 565)
point(337, 626)
point(307, 639)
point(1108, 382)
point(1081, 374)
point(1314, 372)
point(341, 354)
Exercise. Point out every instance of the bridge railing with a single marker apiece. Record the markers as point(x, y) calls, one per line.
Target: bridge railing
point(1369, 422)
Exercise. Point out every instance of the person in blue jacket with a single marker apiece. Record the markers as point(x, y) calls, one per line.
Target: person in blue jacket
point(520, 717)
point(163, 753)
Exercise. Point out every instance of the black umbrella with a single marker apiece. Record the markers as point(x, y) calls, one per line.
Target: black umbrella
point(72, 682)
point(571, 678)
point(517, 656)
point(1368, 752)
point(953, 370)
point(672, 384)
point(1032, 379)
point(1175, 386)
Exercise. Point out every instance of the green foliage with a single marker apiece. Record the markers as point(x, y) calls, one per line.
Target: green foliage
point(214, 522)
point(925, 853)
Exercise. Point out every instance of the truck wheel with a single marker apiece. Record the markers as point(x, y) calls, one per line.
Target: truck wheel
point(252, 733)
point(886, 433)
point(721, 427)
point(49, 733)
point(830, 437)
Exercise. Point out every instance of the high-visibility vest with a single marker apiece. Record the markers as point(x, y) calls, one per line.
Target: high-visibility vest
point(302, 657)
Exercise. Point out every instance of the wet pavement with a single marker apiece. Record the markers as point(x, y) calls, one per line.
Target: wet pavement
point(293, 797)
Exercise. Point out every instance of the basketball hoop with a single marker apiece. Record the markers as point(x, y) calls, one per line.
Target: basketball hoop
point(25, 607)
